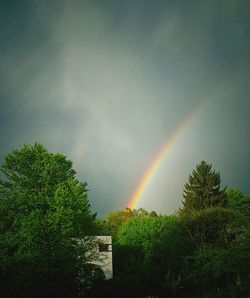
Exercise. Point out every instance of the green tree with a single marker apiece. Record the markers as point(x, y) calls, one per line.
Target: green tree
point(215, 226)
point(165, 260)
point(203, 189)
point(136, 238)
point(102, 227)
point(35, 171)
point(215, 267)
point(216, 271)
point(45, 217)
point(239, 202)
point(139, 231)
point(116, 218)
point(150, 249)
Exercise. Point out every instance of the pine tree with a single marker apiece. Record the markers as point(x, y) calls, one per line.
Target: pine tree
point(203, 189)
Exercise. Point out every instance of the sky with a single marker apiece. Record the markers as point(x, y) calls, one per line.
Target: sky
point(107, 82)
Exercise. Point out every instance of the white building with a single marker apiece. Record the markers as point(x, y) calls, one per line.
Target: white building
point(104, 250)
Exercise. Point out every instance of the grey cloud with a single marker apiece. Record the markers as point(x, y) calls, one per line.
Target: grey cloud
point(106, 84)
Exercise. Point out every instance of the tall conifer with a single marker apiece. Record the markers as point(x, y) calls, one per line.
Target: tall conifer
point(203, 189)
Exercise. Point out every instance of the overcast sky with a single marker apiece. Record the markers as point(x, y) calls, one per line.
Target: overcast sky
point(107, 82)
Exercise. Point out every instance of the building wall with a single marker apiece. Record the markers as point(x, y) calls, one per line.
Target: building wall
point(105, 252)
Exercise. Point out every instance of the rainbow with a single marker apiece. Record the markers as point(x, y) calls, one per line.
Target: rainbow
point(151, 170)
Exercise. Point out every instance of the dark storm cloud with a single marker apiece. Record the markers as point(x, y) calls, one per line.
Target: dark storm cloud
point(106, 82)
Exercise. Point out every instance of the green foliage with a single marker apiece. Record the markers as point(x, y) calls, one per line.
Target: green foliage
point(214, 271)
point(34, 171)
point(72, 209)
point(165, 261)
point(102, 227)
point(213, 226)
point(45, 242)
point(136, 251)
point(240, 261)
point(139, 231)
point(172, 256)
point(203, 189)
point(44, 210)
point(116, 218)
point(239, 202)
point(215, 267)
point(202, 254)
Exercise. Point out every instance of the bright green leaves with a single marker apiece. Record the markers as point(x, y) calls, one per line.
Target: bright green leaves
point(142, 231)
point(33, 170)
point(43, 210)
point(72, 209)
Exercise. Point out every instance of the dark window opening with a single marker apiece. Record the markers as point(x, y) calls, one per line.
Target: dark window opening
point(103, 247)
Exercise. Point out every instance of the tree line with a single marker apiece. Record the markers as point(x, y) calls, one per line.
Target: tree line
point(46, 248)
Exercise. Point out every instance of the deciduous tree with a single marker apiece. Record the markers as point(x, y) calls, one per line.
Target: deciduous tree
point(239, 202)
point(45, 216)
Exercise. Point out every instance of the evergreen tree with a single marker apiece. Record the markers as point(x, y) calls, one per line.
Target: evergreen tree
point(203, 189)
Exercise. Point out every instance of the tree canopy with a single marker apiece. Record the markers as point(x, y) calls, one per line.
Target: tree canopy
point(115, 219)
point(239, 202)
point(44, 210)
